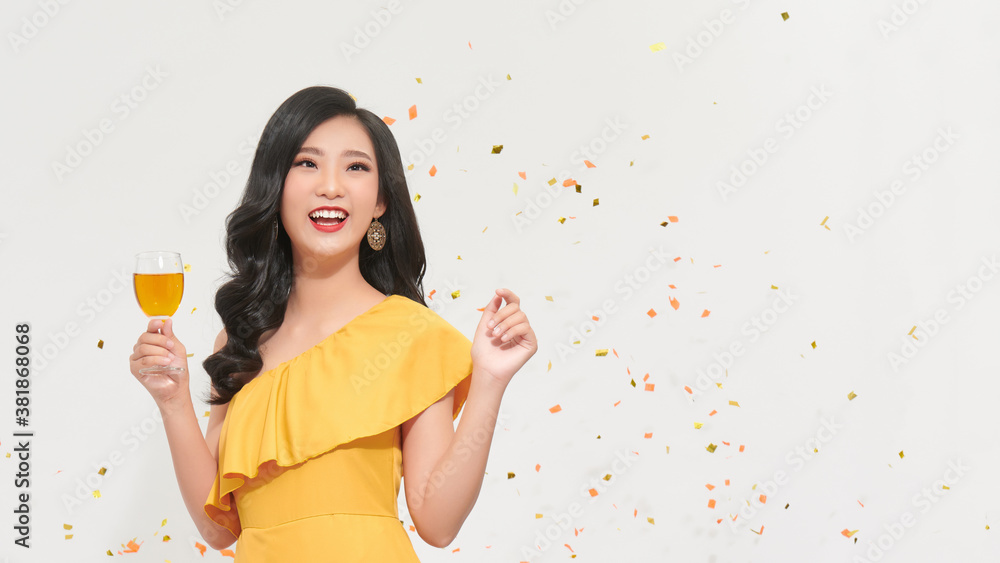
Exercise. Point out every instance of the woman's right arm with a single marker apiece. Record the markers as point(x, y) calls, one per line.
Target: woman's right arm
point(195, 457)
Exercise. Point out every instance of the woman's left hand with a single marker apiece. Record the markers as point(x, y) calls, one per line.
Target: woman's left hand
point(504, 340)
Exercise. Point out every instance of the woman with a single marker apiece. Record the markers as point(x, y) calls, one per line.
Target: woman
point(331, 378)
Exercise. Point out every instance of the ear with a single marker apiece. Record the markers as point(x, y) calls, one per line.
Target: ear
point(379, 210)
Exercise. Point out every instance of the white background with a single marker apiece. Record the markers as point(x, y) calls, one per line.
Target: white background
point(213, 77)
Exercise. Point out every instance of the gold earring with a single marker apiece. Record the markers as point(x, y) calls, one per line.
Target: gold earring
point(376, 235)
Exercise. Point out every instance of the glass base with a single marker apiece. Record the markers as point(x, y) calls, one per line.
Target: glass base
point(160, 370)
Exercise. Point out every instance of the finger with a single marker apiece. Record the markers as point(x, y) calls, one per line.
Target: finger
point(168, 328)
point(488, 312)
point(154, 326)
point(154, 338)
point(508, 310)
point(152, 350)
point(515, 332)
point(508, 295)
point(508, 322)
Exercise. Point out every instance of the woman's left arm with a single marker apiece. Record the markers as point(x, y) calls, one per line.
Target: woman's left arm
point(443, 468)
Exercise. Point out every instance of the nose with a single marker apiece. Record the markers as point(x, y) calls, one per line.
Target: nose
point(329, 184)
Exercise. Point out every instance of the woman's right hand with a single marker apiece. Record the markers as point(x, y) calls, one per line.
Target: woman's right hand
point(156, 349)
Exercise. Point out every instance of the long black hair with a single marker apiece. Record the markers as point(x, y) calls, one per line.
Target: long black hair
point(254, 298)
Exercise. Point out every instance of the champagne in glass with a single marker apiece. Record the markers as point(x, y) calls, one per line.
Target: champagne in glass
point(159, 284)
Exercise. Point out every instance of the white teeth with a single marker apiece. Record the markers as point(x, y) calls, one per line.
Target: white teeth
point(328, 214)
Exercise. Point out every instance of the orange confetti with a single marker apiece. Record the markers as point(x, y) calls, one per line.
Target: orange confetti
point(645, 377)
point(537, 467)
point(727, 482)
point(593, 492)
point(672, 218)
point(589, 164)
point(650, 386)
point(201, 548)
point(741, 447)
point(523, 175)
point(570, 548)
point(763, 499)
point(617, 403)
point(705, 313)
point(132, 546)
point(648, 435)
point(672, 286)
point(862, 506)
point(555, 409)
point(711, 503)
point(413, 111)
point(713, 413)
point(710, 486)
point(228, 553)
point(433, 170)
point(594, 318)
point(470, 44)
point(651, 313)
point(569, 182)
point(675, 303)
point(388, 120)
point(688, 389)
point(847, 533)
point(615, 352)
point(431, 294)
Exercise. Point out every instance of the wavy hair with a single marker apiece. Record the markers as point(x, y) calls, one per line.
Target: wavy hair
point(253, 299)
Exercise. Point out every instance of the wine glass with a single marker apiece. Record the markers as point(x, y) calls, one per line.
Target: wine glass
point(159, 284)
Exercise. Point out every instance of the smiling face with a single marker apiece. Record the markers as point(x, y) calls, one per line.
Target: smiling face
point(331, 191)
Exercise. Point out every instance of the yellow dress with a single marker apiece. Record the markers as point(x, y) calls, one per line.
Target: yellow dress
point(310, 451)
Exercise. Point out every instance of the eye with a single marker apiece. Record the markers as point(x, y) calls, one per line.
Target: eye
point(305, 161)
point(359, 165)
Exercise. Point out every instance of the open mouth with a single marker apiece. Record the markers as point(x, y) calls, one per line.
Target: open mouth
point(328, 217)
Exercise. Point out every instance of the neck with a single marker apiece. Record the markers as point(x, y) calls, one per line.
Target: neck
point(328, 286)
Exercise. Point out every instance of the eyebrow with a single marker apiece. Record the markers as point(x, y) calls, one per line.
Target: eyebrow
point(349, 153)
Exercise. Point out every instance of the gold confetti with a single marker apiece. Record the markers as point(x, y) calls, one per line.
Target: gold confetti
point(650, 520)
point(100, 344)
point(664, 224)
point(67, 526)
point(515, 188)
point(814, 344)
point(187, 267)
point(711, 448)
point(698, 425)
point(784, 16)
point(596, 201)
point(946, 487)
point(851, 396)
point(562, 220)
point(602, 352)
point(774, 286)
point(823, 224)
point(657, 47)
point(69, 536)
point(734, 403)
point(416, 197)
point(497, 149)
point(537, 516)
point(96, 493)
point(668, 449)
point(552, 182)
point(166, 538)
point(644, 137)
point(102, 471)
point(459, 256)
point(409, 167)
point(548, 298)
point(207, 413)
point(633, 383)
point(508, 77)
point(900, 454)
point(420, 81)
point(607, 477)
point(191, 355)
point(456, 293)
point(164, 523)
point(550, 366)
point(193, 310)
point(510, 474)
